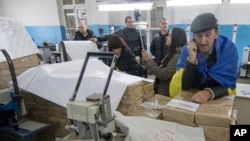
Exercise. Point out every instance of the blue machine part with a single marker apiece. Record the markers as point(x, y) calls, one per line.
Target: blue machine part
point(12, 104)
point(9, 108)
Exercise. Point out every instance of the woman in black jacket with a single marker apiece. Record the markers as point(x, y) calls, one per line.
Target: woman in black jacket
point(126, 61)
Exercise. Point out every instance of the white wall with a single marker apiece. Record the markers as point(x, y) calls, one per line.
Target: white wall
point(225, 13)
point(49, 12)
point(60, 12)
point(94, 15)
point(32, 12)
point(1, 9)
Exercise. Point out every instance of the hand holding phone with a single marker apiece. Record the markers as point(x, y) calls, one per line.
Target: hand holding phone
point(192, 50)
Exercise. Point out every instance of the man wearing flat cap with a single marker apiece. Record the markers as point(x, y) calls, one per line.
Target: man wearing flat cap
point(207, 63)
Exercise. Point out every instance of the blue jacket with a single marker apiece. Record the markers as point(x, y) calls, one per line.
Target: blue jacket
point(222, 72)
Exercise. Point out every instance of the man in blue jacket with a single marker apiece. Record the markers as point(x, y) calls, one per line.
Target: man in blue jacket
point(208, 62)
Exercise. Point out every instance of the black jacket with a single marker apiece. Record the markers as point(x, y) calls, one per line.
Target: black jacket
point(79, 36)
point(131, 37)
point(127, 63)
point(158, 47)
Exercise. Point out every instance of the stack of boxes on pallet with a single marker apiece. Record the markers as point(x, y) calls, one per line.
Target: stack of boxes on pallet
point(42, 110)
point(20, 64)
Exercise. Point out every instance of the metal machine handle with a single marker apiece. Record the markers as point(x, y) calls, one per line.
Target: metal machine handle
point(94, 54)
point(12, 71)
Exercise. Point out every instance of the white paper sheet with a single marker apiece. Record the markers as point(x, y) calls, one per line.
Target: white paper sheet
point(243, 90)
point(190, 106)
point(139, 128)
point(78, 49)
point(56, 82)
point(15, 39)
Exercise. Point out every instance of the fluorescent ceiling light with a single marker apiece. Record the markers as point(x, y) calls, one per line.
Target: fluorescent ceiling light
point(191, 2)
point(125, 7)
point(239, 1)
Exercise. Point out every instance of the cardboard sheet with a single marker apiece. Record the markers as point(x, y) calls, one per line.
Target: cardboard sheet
point(56, 82)
point(15, 39)
point(139, 128)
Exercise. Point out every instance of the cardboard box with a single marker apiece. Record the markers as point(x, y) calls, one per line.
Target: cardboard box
point(162, 100)
point(180, 114)
point(125, 108)
point(215, 133)
point(216, 112)
point(20, 64)
point(34, 103)
point(132, 93)
point(148, 88)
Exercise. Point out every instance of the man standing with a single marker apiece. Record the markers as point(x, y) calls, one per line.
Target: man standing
point(130, 34)
point(207, 63)
point(83, 32)
point(158, 45)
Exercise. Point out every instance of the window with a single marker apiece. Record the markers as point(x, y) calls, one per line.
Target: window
point(74, 10)
point(67, 2)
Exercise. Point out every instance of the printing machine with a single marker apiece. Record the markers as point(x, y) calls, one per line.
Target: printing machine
point(245, 64)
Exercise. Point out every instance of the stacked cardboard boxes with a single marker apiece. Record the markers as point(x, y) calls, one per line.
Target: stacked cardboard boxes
point(135, 94)
point(20, 64)
point(42, 110)
point(215, 117)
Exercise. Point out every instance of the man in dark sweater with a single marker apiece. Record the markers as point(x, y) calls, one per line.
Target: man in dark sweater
point(130, 35)
point(158, 45)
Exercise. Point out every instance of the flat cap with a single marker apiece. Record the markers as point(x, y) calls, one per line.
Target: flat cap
point(203, 22)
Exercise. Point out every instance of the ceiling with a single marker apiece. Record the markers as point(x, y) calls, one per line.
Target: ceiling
point(129, 1)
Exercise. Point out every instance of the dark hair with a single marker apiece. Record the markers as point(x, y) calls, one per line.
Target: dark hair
point(178, 39)
point(127, 17)
point(115, 41)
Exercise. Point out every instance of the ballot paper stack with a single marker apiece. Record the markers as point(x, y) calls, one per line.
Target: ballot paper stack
point(21, 64)
point(39, 109)
point(134, 95)
point(215, 117)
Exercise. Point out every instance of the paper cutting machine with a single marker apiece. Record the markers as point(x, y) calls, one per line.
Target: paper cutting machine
point(95, 111)
point(10, 108)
